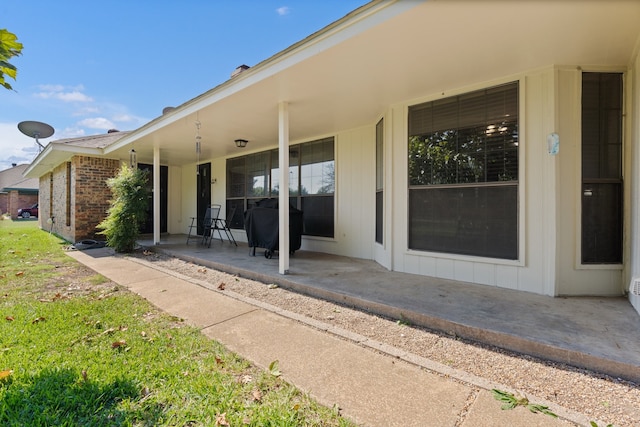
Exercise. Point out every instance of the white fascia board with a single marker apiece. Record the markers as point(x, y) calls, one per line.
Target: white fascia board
point(356, 22)
point(55, 147)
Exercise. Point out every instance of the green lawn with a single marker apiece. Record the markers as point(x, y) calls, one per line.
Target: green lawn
point(78, 350)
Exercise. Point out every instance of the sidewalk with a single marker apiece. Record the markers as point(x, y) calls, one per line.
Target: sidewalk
point(373, 384)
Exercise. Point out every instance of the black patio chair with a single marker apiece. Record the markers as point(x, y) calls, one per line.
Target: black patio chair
point(225, 224)
point(210, 224)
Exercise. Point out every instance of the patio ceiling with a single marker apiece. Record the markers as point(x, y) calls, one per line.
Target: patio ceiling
point(386, 52)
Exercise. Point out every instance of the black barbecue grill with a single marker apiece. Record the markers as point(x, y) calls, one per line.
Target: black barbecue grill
point(262, 226)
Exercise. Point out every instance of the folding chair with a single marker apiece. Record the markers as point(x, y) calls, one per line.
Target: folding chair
point(210, 223)
point(191, 226)
point(225, 224)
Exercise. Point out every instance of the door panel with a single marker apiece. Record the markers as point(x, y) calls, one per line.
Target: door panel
point(147, 227)
point(601, 223)
point(602, 185)
point(204, 193)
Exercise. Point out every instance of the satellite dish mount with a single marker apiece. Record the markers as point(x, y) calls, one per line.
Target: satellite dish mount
point(36, 130)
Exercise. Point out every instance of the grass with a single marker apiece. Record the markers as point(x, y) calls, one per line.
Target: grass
point(78, 350)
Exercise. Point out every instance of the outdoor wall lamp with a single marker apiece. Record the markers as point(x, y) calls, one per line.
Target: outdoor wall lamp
point(241, 143)
point(133, 159)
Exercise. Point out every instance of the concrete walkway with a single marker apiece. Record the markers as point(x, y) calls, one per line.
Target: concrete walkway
point(373, 384)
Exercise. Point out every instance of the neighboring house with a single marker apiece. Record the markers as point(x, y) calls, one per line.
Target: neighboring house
point(487, 142)
point(16, 191)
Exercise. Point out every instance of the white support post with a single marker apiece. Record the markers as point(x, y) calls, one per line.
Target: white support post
point(283, 196)
point(156, 195)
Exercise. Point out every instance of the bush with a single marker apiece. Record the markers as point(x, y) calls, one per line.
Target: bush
point(128, 209)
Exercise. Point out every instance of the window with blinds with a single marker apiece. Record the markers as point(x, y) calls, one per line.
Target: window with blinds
point(463, 174)
point(255, 176)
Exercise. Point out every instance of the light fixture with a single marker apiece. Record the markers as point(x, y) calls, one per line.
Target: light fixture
point(241, 143)
point(133, 159)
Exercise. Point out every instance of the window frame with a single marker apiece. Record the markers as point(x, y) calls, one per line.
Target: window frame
point(296, 196)
point(520, 211)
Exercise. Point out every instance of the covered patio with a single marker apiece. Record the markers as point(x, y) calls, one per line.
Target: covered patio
point(599, 334)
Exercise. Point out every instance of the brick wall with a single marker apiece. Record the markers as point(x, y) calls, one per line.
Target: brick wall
point(19, 200)
point(91, 193)
point(4, 203)
point(78, 212)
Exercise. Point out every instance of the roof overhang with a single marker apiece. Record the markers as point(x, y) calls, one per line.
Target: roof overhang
point(387, 52)
point(56, 153)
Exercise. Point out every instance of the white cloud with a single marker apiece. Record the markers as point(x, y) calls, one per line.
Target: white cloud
point(15, 147)
point(124, 118)
point(71, 132)
point(284, 10)
point(59, 92)
point(97, 123)
point(85, 111)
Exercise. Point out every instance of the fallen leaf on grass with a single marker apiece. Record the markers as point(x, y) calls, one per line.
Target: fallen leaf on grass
point(219, 360)
point(273, 369)
point(10, 318)
point(5, 374)
point(221, 419)
point(56, 297)
point(20, 273)
point(84, 375)
point(221, 286)
point(246, 379)
point(118, 344)
point(38, 320)
point(257, 395)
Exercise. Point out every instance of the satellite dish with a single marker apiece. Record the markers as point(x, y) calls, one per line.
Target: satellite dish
point(36, 130)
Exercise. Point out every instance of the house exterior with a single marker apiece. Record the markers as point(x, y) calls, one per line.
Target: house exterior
point(487, 142)
point(74, 196)
point(16, 191)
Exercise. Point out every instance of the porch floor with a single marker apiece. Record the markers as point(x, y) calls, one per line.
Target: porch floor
point(599, 334)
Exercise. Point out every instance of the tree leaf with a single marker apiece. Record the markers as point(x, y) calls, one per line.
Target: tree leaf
point(5, 374)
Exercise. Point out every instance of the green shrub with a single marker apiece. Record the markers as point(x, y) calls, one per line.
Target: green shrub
point(128, 209)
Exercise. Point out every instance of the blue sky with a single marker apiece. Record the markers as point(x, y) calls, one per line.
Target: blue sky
point(88, 66)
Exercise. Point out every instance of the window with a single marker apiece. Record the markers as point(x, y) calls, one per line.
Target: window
point(379, 181)
point(463, 174)
point(311, 183)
